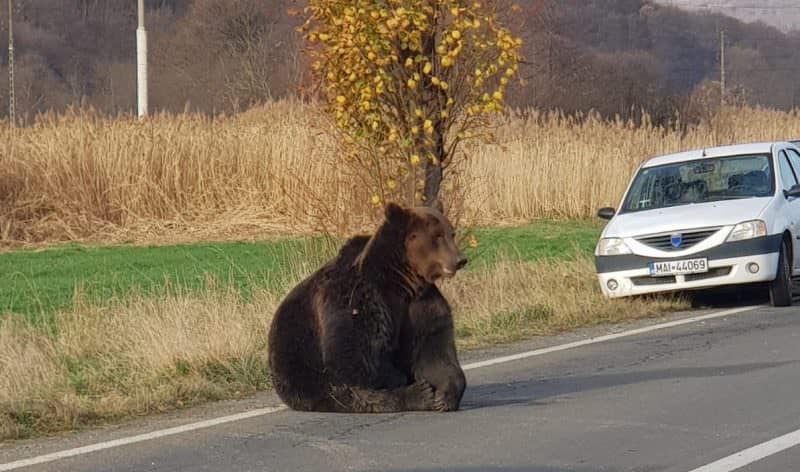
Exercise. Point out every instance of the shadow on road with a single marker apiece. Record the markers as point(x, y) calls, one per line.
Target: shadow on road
point(490, 468)
point(534, 391)
point(733, 296)
point(728, 297)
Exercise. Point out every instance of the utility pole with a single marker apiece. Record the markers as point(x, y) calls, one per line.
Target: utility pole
point(141, 62)
point(722, 67)
point(12, 106)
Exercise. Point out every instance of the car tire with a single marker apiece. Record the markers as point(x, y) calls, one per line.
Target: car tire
point(780, 289)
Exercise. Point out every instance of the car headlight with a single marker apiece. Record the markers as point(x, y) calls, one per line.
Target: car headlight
point(748, 230)
point(612, 247)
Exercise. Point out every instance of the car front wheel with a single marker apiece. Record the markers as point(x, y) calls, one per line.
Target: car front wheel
point(780, 289)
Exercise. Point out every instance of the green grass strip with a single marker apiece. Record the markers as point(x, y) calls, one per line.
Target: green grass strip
point(37, 284)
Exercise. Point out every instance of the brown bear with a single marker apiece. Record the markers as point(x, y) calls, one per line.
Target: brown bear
point(334, 342)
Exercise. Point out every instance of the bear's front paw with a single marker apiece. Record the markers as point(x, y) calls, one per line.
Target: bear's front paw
point(422, 396)
point(445, 402)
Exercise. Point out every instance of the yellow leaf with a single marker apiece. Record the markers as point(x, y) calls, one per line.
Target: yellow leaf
point(427, 69)
point(412, 84)
point(414, 160)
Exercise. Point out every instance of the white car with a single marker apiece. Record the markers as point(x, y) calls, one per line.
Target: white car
point(706, 218)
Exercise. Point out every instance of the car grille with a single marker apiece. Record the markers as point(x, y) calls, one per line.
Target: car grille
point(690, 238)
point(713, 273)
point(647, 280)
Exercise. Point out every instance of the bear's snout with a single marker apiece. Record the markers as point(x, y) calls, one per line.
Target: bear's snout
point(462, 261)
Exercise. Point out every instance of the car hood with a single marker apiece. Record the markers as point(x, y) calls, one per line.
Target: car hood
point(699, 215)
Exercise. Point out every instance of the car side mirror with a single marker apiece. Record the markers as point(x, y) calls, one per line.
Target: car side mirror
point(793, 192)
point(607, 213)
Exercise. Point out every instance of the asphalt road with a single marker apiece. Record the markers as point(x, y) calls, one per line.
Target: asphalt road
point(669, 400)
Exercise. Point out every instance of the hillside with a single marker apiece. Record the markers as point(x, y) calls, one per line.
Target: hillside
point(617, 57)
point(783, 14)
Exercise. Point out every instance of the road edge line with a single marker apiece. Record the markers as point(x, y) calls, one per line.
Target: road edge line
point(608, 337)
point(137, 438)
point(753, 454)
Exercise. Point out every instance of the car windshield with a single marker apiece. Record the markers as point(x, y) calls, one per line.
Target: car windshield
point(701, 181)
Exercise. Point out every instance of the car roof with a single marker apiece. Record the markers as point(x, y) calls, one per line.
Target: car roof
point(732, 150)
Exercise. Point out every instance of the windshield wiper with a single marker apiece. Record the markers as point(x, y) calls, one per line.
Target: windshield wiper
point(731, 197)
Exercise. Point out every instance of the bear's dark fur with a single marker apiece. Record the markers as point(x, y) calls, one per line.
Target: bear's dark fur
point(429, 350)
point(427, 342)
point(335, 340)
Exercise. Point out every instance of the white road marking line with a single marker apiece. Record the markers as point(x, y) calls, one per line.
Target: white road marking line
point(753, 454)
point(265, 411)
point(138, 438)
point(609, 337)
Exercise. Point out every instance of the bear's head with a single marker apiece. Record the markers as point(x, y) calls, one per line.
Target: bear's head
point(430, 247)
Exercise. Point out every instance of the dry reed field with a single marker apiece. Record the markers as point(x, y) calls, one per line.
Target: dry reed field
point(271, 171)
point(146, 355)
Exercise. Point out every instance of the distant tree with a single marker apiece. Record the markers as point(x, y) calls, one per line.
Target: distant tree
point(408, 81)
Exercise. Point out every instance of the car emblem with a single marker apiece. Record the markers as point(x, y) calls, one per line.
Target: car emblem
point(676, 240)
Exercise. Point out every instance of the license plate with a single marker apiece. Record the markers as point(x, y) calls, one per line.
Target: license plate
point(684, 267)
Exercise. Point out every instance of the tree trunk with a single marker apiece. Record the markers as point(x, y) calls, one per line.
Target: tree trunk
point(434, 172)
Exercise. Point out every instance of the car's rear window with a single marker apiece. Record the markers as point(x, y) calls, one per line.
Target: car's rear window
point(701, 181)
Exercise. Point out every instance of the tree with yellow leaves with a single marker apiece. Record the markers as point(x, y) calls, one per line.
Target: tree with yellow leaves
point(409, 81)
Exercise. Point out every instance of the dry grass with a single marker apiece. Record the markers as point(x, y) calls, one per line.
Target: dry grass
point(152, 354)
point(185, 177)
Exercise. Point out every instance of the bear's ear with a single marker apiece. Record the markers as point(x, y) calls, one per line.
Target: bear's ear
point(394, 213)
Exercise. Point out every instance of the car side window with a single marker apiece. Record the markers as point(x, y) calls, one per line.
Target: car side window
point(794, 160)
point(787, 173)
